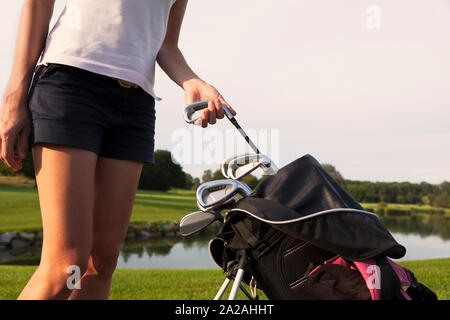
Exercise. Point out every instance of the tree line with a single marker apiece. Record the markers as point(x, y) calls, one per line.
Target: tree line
point(165, 174)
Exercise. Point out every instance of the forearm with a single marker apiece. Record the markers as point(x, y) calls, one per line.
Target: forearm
point(172, 62)
point(33, 30)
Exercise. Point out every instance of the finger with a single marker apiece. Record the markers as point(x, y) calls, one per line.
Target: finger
point(22, 143)
point(189, 99)
point(212, 111)
point(8, 152)
point(222, 100)
point(205, 118)
point(219, 109)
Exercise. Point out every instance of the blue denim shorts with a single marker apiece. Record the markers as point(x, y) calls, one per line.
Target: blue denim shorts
point(78, 108)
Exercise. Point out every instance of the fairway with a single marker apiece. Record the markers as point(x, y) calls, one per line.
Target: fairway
point(131, 284)
point(19, 210)
point(19, 207)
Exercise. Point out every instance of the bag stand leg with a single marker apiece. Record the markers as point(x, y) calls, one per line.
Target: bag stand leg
point(236, 285)
point(237, 280)
point(222, 288)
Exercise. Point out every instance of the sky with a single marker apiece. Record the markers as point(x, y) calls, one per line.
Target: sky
point(363, 85)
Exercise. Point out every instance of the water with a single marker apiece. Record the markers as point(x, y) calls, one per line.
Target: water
point(419, 248)
point(425, 237)
point(167, 253)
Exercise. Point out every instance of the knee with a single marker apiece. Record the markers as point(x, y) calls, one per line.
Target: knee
point(64, 269)
point(104, 261)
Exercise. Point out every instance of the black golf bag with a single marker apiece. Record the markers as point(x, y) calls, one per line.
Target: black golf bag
point(302, 236)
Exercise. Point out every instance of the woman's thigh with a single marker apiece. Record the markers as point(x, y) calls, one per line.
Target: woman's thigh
point(116, 182)
point(65, 178)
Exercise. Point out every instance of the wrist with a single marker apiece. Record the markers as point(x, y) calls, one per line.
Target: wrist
point(15, 97)
point(191, 83)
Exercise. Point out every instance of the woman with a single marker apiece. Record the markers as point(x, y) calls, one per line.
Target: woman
point(88, 119)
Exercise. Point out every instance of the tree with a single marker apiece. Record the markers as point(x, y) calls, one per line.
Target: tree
point(336, 175)
point(189, 181)
point(207, 176)
point(195, 183)
point(217, 175)
point(357, 191)
point(250, 180)
point(163, 174)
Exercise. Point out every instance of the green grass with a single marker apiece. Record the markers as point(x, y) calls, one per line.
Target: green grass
point(406, 207)
point(19, 207)
point(435, 274)
point(163, 206)
point(136, 284)
point(133, 284)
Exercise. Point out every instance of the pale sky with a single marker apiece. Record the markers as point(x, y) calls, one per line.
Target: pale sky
point(375, 103)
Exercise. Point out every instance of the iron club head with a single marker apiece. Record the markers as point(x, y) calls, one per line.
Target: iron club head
point(215, 193)
point(197, 221)
point(239, 166)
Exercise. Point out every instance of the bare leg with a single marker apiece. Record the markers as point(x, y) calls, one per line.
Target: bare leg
point(116, 182)
point(65, 180)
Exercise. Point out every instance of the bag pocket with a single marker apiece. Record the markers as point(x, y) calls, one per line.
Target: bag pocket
point(298, 258)
point(334, 282)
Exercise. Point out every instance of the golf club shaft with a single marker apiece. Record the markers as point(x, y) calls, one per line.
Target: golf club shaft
point(238, 127)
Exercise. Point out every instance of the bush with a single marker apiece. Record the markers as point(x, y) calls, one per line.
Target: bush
point(394, 212)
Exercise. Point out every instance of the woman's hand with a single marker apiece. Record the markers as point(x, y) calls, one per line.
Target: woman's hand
point(14, 114)
point(172, 62)
point(197, 90)
point(14, 122)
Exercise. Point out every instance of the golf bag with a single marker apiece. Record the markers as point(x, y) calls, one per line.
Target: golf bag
point(302, 236)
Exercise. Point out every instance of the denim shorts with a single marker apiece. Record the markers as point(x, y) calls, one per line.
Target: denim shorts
point(78, 108)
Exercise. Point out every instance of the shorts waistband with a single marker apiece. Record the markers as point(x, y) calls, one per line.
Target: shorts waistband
point(126, 84)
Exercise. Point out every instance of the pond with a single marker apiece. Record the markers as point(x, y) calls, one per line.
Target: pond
point(425, 237)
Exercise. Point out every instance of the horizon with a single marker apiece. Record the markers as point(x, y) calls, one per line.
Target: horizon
point(361, 85)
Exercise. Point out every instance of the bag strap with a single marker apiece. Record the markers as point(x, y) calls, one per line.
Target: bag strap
point(260, 246)
point(381, 279)
point(385, 280)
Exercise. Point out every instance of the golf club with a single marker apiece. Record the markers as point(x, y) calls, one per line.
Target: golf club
point(194, 112)
point(242, 165)
point(196, 221)
point(224, 166)
point(213, 194)
point(229, 204)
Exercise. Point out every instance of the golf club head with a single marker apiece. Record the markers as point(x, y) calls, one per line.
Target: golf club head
point(229, 204)
point(224, 166)
point(215, 193)
point(194, 111)
point(242, 165)
point(197, 221)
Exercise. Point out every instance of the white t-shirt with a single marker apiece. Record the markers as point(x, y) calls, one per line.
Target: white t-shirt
point(116, 38)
